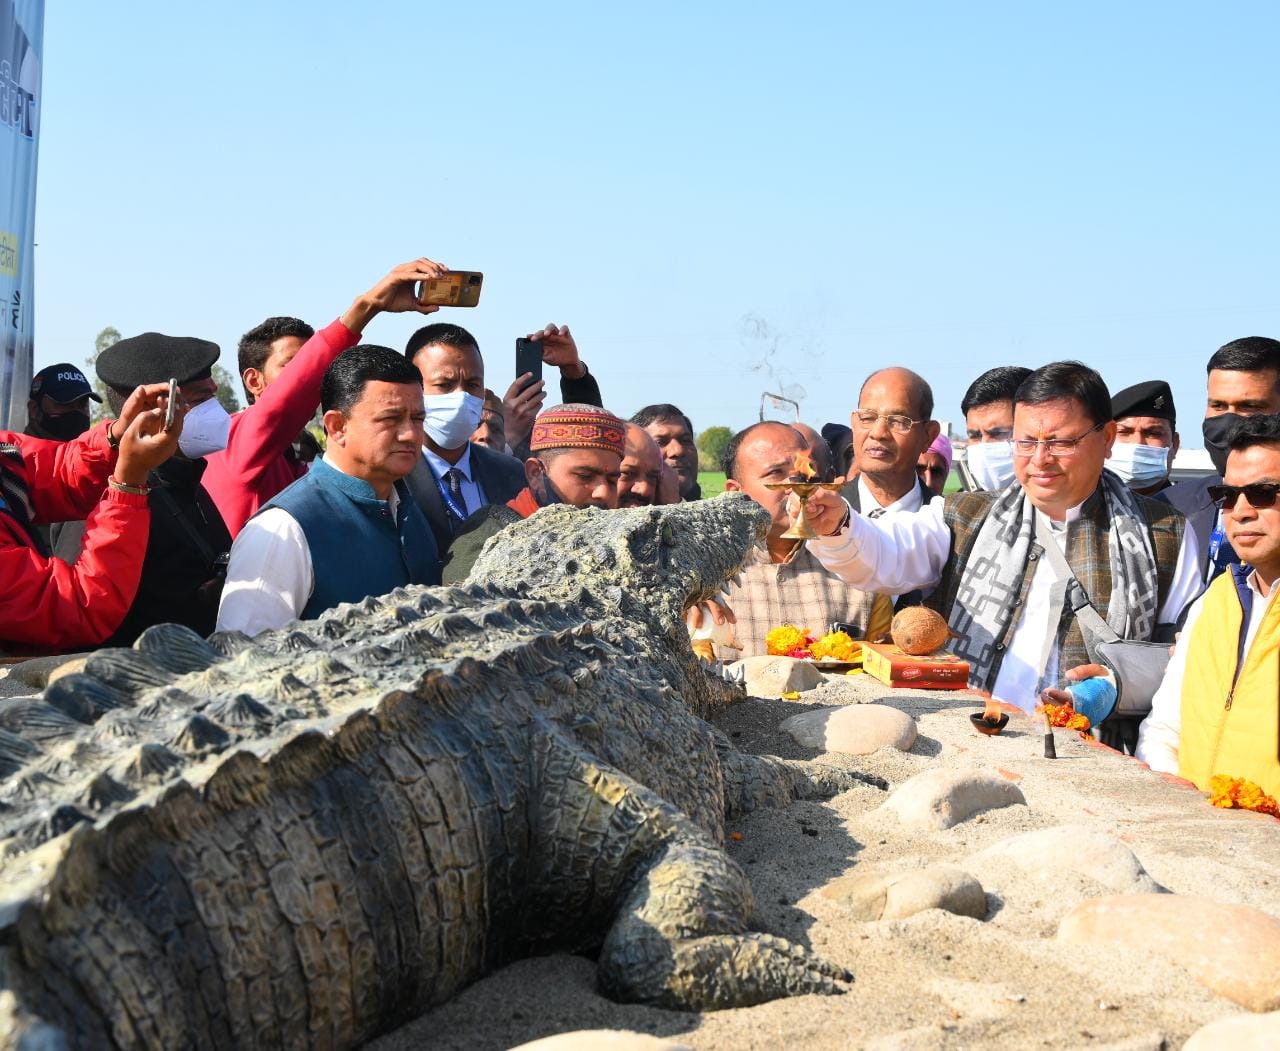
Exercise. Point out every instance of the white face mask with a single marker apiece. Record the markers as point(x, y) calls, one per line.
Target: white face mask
point(452, 418)
point(990, 463)
point(1139, 465)
point(205, 430)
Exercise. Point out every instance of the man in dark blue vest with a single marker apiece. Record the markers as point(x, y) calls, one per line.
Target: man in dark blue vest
point(348, 528)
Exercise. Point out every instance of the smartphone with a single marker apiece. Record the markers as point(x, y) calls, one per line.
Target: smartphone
point(529, 359)
point(171, 410)
point(457, 288)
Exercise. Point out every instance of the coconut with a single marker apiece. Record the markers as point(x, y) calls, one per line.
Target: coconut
point(919, 630)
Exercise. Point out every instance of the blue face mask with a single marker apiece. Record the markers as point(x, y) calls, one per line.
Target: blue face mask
point(990, 463)
point(1139, 465)
point(452, 418)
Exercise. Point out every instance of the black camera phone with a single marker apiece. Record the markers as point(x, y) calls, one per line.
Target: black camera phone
point(529, 359)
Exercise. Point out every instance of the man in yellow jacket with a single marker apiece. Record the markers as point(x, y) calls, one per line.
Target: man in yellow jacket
point(1218, 709)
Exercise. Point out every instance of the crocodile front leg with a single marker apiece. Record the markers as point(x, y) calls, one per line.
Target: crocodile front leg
point(609, 853)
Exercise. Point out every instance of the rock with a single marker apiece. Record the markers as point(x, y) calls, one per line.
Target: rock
point(942, 798)
point(1238, 1032)
point(858, 729)
point(1077, 848)
point(602, 1040)
point(872, 896)
point(774, 676)
point(1232, 949)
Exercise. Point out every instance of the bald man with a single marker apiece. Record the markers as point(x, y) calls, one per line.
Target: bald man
point(892, 426)
point(819, 451)
point(642, 466)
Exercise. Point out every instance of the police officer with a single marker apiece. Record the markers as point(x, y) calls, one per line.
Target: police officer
point(188, 542)
point(1146, 436)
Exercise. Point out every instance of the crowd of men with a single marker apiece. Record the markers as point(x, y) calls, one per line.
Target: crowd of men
point(1067, 537)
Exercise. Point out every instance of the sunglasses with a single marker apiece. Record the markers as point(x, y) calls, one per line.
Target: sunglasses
point(1259, 494)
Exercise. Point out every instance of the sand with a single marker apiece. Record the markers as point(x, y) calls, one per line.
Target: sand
point(934, 980)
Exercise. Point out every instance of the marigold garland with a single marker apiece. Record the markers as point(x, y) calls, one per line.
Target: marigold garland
point(836, 646)
point(1235, 793)
point(788, 641)
point(1065, 715)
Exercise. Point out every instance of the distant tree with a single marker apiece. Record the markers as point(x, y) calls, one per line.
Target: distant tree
point(226, 389)
point(107, 337)
point(711, 446)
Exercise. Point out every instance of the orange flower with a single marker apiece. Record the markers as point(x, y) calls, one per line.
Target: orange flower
point(1065, 715)
point(783, 641)
point(1235, 793)
point(836, 646)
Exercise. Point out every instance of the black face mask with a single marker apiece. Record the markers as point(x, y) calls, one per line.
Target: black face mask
point(64, 427)
point(1217, 432)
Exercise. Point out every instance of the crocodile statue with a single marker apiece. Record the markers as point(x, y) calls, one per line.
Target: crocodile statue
point(308, 838)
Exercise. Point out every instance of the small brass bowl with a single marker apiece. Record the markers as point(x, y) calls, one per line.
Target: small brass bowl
point(989, 727)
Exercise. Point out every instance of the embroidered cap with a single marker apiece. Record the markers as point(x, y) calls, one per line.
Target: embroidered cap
point(578, 427)
point(1152, 398)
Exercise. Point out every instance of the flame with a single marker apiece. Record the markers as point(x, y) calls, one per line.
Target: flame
point(802, 465)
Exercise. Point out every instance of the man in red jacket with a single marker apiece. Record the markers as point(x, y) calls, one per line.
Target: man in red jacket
point(257, 462)
point(46, 604)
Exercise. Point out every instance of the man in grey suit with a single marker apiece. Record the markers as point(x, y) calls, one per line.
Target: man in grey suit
point(1244, 380)
point(456, 477)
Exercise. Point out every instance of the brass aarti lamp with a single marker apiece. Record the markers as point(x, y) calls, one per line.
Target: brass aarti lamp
point(802, 483)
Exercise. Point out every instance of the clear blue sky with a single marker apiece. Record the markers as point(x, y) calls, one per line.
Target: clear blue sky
point(945, 186)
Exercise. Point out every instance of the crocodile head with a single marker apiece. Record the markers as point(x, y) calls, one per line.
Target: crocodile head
point(645, 560)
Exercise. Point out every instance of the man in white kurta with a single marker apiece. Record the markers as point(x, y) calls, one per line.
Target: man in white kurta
point(1019, 635)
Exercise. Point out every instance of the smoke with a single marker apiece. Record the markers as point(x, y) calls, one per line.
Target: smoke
point(774, 355)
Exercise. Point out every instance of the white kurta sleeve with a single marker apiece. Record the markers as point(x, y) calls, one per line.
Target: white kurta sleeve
point(1161, 730)
point(269, 577)
point(898, 552)
point(1187, 581)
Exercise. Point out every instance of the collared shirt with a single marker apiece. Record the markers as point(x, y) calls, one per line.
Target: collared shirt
point(902, 552)
point(800, 592)
point(912, 501)
point(270, 577)
point(471, 493)
point(1161, 730)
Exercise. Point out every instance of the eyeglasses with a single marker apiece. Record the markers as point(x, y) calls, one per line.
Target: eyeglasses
point(1259, 494)
point(1056, 447)
point(901, 424)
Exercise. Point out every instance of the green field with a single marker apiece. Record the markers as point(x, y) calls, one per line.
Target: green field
point(712, 482)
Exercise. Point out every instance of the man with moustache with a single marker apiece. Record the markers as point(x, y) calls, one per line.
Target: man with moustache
point(576, 459)
point(347, 529)
point(1244, 380)
point(640, 483)
point(982, 553)
point(673, 431)
point(783, 583)
point(1215, 711)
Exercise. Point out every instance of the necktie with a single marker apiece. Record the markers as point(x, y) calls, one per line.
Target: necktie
point(453, 478)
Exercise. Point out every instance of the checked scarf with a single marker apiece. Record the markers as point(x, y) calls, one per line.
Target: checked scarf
point(993, 579)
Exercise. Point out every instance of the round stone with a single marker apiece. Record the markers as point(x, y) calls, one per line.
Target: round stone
point(872, 896)
point(1232, 949)
point(774, 676)
point(938, 799)
point(1239, 1033)
point(857, 729)
point(1077, 848)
